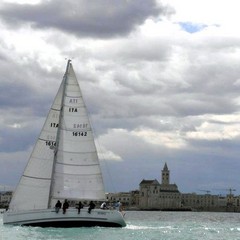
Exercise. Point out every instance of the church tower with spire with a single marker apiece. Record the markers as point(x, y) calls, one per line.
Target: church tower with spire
point(165, 175)
point(155, 195)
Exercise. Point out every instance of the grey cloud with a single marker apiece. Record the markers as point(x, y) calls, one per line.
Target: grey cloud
point(102, 19)
point(22, 104)
point(20, 95)
point(17, 139)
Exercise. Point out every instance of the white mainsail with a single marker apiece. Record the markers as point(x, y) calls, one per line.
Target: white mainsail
point(64, 162)
point(77, 172)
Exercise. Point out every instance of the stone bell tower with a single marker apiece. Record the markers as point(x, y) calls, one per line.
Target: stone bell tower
point(165, 175)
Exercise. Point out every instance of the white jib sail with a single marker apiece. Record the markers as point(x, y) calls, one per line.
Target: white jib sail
point(64, 161)
point(33, 188)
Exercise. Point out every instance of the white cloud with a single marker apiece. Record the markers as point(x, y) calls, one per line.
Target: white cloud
point(208, 12)
point(164, 139)
point(217, 127)
point(105, 154)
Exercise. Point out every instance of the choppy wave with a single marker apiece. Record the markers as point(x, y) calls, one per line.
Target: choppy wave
point(134, 227)
point(141, 226)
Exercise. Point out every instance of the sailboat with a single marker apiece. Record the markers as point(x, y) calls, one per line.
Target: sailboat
point(63, 165)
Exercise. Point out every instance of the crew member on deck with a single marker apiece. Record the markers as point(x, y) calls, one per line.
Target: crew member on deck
point(58, 206)
point(79, 206)
point(91, 206)
point(65, 206)
point(118, 206)
point(103, 205)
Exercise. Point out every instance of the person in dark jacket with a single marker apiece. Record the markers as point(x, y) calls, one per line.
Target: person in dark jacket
point(58, 206)
point(65, 206)
point(79, 206)
point(91, 206)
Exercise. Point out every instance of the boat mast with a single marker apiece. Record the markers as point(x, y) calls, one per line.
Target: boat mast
point(58, 131)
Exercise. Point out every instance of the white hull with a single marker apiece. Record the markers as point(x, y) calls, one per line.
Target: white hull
point(49, 218)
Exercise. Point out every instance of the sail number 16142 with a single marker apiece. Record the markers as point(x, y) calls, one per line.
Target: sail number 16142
point(79, 134)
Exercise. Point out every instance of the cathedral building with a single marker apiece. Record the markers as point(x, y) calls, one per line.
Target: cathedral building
point(159, 196)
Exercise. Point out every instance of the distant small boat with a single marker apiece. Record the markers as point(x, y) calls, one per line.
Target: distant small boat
point(63, 165)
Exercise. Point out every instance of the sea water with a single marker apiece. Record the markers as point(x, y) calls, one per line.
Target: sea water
point(141, 225)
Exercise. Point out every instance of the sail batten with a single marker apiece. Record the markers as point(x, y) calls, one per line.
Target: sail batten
point(77, 165)
point(37, 177)
point(81, 153)
point(79, 175)
point(54, 109)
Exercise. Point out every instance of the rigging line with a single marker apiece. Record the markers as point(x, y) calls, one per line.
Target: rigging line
point(102, 152)
point(107, 168)
point(96, 142)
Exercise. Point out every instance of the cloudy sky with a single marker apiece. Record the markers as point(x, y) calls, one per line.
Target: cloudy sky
point(161, 80)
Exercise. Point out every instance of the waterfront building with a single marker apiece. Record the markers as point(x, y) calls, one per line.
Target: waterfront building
point(5, 198)
point(127, 199)
point(123, 197)
point(159, 196)
point(166, 196)
point(203, 202)
point(236, 203)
